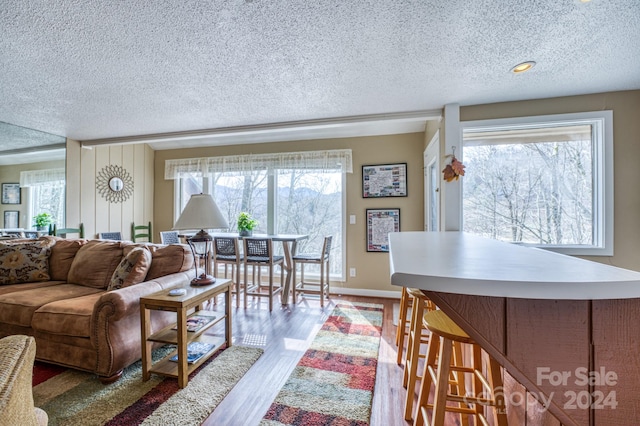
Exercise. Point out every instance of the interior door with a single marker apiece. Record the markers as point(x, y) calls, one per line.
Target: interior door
point(432, 185)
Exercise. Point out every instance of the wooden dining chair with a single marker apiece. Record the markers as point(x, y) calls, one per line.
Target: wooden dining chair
point(226, 252)
point(63, 232)
point(321, 259)
point(141, 231)
point(169, 237)
point(116, 236)
point(258, 252)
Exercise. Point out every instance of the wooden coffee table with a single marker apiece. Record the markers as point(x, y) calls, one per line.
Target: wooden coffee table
point(177, 333)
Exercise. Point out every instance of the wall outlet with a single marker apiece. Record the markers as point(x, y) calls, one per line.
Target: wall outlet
point(352, 272)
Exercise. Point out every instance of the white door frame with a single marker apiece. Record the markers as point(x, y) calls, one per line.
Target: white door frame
point(431, 162)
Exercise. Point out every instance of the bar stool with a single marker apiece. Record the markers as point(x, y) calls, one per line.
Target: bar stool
point(444, 333)
point(417, 336)
point(227, 253)
point(258, 252)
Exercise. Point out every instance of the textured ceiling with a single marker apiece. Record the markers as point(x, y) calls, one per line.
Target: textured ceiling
point(90, 69)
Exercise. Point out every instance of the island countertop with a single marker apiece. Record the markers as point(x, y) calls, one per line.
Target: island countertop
point(460, 263)
point(537, 313)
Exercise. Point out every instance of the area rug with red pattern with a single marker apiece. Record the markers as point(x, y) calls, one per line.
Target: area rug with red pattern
point(334, 381)
point(72, 397)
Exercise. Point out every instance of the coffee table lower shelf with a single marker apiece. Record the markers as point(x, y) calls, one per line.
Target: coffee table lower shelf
point(166, 367)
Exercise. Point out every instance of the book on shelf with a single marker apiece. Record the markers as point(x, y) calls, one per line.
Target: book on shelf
point(195, 322)
point(195, 351)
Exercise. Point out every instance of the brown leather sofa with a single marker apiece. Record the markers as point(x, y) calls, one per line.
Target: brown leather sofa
point(83, 307)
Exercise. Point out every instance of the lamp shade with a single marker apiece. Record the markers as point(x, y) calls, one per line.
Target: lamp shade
point(201, 212)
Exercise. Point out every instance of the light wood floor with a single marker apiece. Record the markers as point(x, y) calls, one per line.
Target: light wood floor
point(284, 335)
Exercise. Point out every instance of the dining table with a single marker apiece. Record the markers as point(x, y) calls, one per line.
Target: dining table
point(289, 246)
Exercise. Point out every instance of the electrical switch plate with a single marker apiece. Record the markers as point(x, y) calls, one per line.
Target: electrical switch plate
point(352, 272)
point(352, 219)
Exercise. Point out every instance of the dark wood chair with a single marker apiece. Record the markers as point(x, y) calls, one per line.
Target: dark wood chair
point(141, 231)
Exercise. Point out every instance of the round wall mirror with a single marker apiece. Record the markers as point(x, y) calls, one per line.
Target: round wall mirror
point(116, 184)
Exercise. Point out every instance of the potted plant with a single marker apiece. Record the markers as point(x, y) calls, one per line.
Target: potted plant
point(42, 220)
point(246, 224)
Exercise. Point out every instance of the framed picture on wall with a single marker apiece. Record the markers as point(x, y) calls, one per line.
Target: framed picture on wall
point(379, 223)
point(11, 219)
point(384, 180)
point(11, 193)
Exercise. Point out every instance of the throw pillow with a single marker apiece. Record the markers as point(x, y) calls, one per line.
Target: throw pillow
point(94, 263)
point(24, 262)
point(132, 269)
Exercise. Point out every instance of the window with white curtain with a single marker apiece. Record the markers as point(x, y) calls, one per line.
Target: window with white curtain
point(287, 193)
point(46, 194)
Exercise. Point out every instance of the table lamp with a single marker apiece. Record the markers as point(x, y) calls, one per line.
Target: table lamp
point(201, 212)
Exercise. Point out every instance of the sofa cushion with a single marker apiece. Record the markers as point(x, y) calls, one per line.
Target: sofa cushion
point(62, 255)
point(94, 264)
point(25, 262)
point(10, 288)
point(17, 308)
point(166, 259)
point(132, 269)
point(69, 317)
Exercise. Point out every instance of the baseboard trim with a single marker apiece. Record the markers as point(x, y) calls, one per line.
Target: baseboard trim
point(366, 292)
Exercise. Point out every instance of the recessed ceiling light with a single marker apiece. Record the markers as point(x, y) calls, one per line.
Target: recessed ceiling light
point(522, 67)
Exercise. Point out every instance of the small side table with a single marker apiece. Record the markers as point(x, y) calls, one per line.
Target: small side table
point(178, 335)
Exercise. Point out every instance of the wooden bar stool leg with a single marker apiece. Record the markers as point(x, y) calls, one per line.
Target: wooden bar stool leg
point(413, 354)
point(401, 330)
point(458, 386)
point(442, 382)
point(495, 380)
point(427, 379)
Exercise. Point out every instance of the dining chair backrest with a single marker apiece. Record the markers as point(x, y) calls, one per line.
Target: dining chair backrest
point(258, 249)
point(169, 237)
point(225, 246)
point(59, 232)
point(116, 236)
point(326, 247)
point(141, 231)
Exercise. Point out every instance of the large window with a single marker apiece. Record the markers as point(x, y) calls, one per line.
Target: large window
point(543, 181)
point(46, 194)
point(283, 198)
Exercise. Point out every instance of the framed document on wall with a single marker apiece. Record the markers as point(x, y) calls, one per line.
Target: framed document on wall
point(379, 223)
point(384, 180)
point(11, 219)
point(11, 193)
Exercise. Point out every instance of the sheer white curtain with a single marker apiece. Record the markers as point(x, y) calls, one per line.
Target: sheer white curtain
point(330, 160)
point(39, 177)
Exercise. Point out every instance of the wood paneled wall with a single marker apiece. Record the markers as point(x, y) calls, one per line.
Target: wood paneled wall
point(84, 202)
